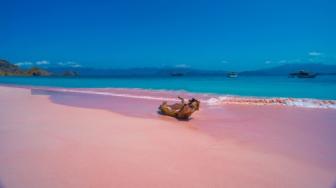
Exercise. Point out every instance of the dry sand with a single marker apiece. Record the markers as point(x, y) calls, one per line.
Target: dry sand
point(46, 144)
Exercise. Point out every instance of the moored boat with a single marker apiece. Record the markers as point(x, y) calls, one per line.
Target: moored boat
point(176, 74)
point(303, 74)
point(232, 75)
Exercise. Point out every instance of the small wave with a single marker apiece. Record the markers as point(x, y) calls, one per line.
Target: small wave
point(305, 103)
point(79, 91)
point(210, 100)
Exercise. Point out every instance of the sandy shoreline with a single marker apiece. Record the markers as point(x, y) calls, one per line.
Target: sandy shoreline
point(71, 140)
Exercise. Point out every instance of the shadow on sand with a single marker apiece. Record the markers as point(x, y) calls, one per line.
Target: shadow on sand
point(185, 120)
point(120, 105)
point(334, 186)
point(1, 185)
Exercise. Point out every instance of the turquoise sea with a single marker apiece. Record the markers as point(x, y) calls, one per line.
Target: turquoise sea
point(322, 87)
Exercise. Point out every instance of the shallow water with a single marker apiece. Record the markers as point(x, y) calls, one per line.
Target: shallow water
point(322, 87)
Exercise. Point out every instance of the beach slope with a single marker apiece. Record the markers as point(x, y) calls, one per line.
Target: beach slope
point(46, 144)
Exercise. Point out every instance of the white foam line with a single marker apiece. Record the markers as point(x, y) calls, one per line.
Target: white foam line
point(218, 101)
point(305, 103)
point(111, 94)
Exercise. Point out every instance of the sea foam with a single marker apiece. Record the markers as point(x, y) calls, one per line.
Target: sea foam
point(298, 102)
point(208, 99)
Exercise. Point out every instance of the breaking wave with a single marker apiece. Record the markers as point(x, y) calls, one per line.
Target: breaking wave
point(305, 103)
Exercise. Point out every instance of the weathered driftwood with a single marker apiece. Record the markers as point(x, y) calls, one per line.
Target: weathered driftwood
point(181, 110)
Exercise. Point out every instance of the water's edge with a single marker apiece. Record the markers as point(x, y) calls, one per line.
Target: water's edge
point(206, 98)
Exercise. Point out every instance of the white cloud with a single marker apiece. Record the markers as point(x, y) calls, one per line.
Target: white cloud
point(42, 62)
point(314, 54)
point(75, 65)
point(30, 63)
point(314, 60)
point(225, 62)
point(283, 61)
point(182, 66)
point(24, 63)
point(295, 61)
point(268, 62)
point(69, 64)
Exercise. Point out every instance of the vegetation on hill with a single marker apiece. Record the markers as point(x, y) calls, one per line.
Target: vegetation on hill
point(8, 69)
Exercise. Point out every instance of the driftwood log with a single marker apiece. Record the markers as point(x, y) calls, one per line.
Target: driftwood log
point(182, 110)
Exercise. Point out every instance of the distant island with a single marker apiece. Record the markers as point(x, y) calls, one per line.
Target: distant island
point(9, 69)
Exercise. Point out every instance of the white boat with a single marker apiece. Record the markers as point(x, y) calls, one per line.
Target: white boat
point(232, 75)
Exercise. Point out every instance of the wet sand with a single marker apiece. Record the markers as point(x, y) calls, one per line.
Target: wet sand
point(55, 139)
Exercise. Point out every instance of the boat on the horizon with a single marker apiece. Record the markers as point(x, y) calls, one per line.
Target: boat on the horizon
point(176, 74)
point(232, 75)
point(302, 74)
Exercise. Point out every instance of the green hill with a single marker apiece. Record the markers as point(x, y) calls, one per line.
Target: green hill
point(8, 69)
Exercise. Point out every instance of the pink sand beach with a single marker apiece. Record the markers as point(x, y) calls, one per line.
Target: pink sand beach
point(61, 139)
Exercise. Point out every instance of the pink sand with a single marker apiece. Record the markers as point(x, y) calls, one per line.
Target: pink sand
point(44, 143)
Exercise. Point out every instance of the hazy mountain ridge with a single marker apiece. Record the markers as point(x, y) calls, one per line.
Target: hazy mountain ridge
point(8, 69)
point(146, 71)
point(282, 70)
point(289, 68)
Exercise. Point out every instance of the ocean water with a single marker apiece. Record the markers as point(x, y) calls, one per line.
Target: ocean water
point(322, 87)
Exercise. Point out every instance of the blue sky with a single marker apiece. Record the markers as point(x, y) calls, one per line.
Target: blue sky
point(234, 34)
